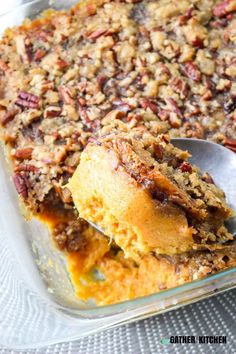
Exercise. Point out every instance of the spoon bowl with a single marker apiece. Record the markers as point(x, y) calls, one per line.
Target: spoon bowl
point(219, 162)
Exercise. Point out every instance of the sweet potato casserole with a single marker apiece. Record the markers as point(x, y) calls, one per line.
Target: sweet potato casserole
point(118, 79)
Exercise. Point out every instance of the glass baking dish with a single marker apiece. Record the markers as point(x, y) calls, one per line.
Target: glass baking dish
point(37, 302)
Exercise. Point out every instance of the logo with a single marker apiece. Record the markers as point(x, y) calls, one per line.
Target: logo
point(193, 340)
point(165, 341)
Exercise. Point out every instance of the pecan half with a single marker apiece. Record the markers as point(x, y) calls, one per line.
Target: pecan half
point(21, 184)
point(62, 64)
point(158, 151)
point(9, 116)
point(223, 22)
point(163, 114)
point(194, 130)
point(183, 19)
point(207, 95)
point(223, 8)
point(179, 86)
point(63, 193)
point(101, 80)
point(207, 178)
point(27, 100)
point(174, 106)
point(39, 54)
point(90, 9)
point(121, 105)
point(44, 35)
point(3, 66)
point(230, 105)
point(52, 111)
point(230, 144)
point(185, 167)
point(98, 33)
point(24, 49)
point(83, 111)
point(66, 95)
point(69, 235)
point(26, 168)
point(191, 71)
point(198, 42)
point(23, 154)
point(147, 103)
point(69, 169)
point(175, 121)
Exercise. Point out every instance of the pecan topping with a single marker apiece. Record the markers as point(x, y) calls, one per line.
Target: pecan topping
point(62, 64)
point(22, 185)
point(24, 49)
point(207, 95)
point(23, 154)
point(158, 195)
point(83, 111)
point(3, 66)
point(39, 54)
point(147, 103)
point(158, 151)
point(219, 23)
point(98, 33)
point(191, 71)
point(207, 178)
point(185, 167)
point(174, 106)
point(90, 9)
point(179, 86)
point(26, 168)
point(194, 130)
point(230, 105)
point(198, 42)
point(230, 144)
point(52, 111)
point(223, 8)
point(44, 35)
point(69, 235)
point(66, 95)
point(174, 121)
point(69, 169)
point(27, 100)
point(121, 105)
point(144, 32)
point(164, 114)
point(183, 19)
point(9, 116)
point(63, 193)
point(101, 81)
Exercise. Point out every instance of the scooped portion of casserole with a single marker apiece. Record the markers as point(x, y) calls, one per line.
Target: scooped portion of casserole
point(147, 67)
point(143, 192)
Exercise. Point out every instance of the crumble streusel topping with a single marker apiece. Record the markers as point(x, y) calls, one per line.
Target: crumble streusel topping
point(141, 66)
point(154, 66)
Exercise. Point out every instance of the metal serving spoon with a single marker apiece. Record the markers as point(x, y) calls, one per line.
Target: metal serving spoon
point(219, 162)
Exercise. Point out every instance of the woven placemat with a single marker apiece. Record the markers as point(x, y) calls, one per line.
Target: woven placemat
point(215, 316)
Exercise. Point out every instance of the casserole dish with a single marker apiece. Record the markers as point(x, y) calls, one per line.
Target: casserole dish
point(37, 304)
